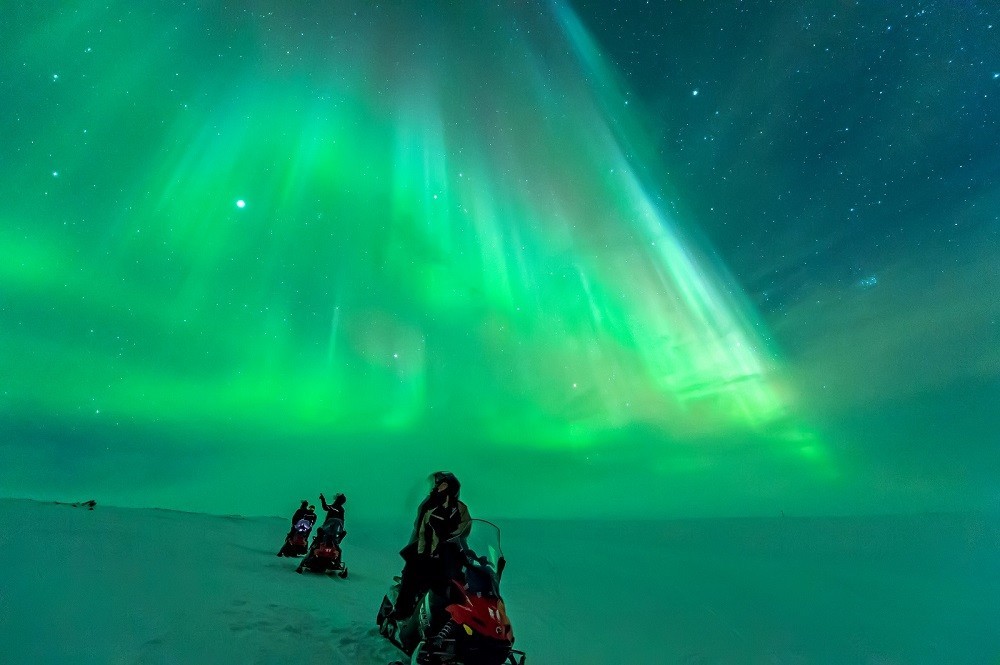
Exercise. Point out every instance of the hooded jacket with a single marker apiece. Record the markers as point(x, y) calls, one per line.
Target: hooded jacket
point(335, 510)
point(440, 517)
point(301, 512)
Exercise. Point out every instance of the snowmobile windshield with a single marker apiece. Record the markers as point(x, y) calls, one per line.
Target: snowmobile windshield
point(335, 530)
point(483, 555)
point(484, 540)
point(481, 578)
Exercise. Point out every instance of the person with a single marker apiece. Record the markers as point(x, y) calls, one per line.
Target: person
point(331, 532)
point(300, 512)
point(432, 556)
point(334, 510)
point(304, 514)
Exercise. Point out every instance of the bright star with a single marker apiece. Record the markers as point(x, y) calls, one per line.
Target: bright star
point(241, 204)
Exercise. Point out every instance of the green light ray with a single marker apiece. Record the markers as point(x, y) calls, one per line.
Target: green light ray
point(426, 233)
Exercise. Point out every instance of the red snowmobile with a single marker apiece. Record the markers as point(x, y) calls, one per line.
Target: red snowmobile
point(297, 540)
point(325, 556)
point(464, 623)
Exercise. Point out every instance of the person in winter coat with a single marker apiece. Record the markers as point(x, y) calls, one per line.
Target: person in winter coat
point(304, 513)
point(300, 512)
point(334, 510)
point(433, 553)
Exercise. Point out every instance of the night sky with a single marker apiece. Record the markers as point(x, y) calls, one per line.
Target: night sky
point(600, 258)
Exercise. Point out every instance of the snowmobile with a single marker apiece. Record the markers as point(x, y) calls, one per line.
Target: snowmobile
point(297, 541)
point(326, 555)
point(464, 623)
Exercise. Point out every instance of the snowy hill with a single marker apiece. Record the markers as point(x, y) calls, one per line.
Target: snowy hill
point(117, 585)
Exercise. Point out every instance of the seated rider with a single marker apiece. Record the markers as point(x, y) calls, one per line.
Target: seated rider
point(303, 514)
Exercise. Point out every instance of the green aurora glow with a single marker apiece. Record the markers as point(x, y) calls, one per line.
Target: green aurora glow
point(458, 249)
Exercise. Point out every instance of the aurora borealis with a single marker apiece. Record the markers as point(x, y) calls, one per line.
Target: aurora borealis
point(251, 248)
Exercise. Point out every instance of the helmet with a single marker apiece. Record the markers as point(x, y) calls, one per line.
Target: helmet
point(439, 477)
point(340, 498)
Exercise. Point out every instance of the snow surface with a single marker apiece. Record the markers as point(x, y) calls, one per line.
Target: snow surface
point(117, 585)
